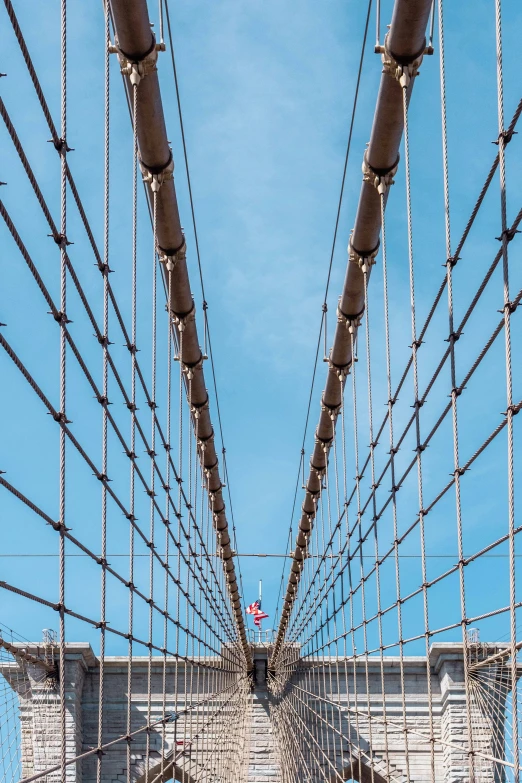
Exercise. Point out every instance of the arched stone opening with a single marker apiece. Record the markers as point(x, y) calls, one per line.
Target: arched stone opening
point(164, 771)
point(361, 773)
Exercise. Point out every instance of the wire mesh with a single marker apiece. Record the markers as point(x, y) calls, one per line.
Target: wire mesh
point(10, 710)
point(114, 462)
point(377, 678)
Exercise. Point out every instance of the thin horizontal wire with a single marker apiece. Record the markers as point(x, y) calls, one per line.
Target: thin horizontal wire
point(96, 624)
point(468, 558)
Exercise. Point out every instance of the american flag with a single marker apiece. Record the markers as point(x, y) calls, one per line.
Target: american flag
point(254, 608)
point(259, 616)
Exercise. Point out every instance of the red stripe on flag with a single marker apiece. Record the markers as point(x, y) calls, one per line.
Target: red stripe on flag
point(259, 616)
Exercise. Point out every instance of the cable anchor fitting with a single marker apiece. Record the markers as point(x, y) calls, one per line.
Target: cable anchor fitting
point(60, 417)
point(320, 473)
point(365, 260)
point(196, 409)
point(189, 369)
point(181, 321)
point(331, 410)
point(509, 308)
point(61, 240)
point(171, 260)
point(506, 136)
point(381, 179)
point(60, 317)
point(508, 234)
point(155, 177)
point(136, 69)
point(216, 516)
point(404, 71)
point(351, 322)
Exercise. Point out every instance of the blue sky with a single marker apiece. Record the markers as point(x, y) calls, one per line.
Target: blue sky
point(267, 92)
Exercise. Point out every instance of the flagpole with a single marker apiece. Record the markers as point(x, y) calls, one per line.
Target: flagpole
point(260, 605)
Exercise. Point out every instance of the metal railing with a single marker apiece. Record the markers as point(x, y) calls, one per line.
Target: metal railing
point(261, 637)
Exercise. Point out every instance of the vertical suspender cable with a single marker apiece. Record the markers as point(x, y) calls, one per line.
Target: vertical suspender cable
point(508, 309)
point(133, 413)
point(403, 51)
point(63, 417)
point(167, 513)
point(138, 53)
point(391, 402)
point(418, 440)
point(375, 517)
point(105, 392)
point(450, 261)
point(152, 455)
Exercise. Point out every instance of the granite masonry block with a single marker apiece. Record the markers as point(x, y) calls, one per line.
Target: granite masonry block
point(340, 706)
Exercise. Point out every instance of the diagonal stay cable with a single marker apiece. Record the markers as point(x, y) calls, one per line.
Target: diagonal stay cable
point(87, 552)
point(58, 607)
point(105, 481)
point(464, 320)
point(200, 270)
point(81, 210)
point(467, 229)
point(98, 333)
point(330, 265)
point(123, 738)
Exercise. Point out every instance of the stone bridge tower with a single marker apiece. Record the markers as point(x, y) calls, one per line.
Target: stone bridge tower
point(370, 754)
